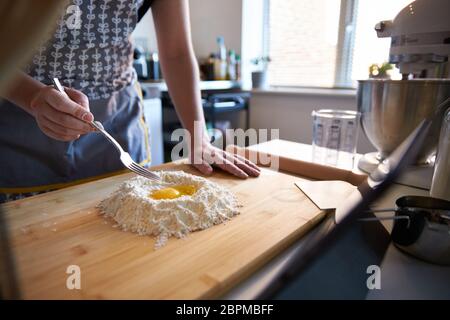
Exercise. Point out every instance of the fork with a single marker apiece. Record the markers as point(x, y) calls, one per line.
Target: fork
point(125, 157)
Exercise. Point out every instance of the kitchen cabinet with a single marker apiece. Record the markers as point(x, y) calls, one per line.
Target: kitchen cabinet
point(153, 118)
point(224, 104)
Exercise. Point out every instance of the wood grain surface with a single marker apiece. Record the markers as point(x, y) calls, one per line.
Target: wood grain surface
point(55, 230)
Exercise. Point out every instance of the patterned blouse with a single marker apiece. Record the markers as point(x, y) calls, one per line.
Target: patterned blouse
point(90, 49)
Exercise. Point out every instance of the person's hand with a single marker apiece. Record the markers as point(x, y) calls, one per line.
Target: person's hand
point(60, 116)
point(207, 156)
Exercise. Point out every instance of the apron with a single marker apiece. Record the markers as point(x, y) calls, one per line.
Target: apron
point(91, 51)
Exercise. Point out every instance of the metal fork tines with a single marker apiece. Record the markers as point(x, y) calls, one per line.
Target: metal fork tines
point(125, 157)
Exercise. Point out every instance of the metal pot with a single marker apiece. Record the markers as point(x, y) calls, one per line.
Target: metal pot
point(391, 109)
point(421, 227)
point(427, 235)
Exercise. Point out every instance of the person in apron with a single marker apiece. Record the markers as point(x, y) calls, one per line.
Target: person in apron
point(45, 138)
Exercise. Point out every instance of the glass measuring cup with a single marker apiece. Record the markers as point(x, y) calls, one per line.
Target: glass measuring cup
point(335, 134)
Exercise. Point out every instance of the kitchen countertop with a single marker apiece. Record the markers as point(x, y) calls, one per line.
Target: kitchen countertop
point(204, 85)
point(402, 276)
point(57, 230)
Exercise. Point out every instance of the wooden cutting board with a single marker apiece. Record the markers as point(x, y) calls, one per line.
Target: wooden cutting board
point(52, 231)
point(328, 194)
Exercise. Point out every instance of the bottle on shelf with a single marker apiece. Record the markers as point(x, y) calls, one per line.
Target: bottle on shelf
point(231, 65)
point(238, 67)
point(220, 63)
point(154, 72)
point(208, 67)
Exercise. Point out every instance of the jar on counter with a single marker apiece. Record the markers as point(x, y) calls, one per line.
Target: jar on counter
point(440, 185)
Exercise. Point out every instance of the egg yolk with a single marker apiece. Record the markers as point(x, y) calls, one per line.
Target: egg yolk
point(173, 192)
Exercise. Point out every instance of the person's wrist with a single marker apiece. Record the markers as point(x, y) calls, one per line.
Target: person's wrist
point(33, 103)
point(198, 133)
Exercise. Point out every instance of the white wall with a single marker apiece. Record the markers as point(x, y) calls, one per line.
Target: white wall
point(209, 19)
point(145, 31)
point(291, 114)
point(212, 18)
point(252, 37)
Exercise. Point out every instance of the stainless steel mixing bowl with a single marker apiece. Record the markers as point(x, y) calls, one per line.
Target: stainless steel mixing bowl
point(391, 109)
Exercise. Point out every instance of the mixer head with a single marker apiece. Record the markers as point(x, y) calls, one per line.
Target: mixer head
point(420, 39)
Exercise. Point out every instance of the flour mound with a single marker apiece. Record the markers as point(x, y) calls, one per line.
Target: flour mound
point(133, 210)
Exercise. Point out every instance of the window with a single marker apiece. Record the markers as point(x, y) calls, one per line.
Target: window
point(303, 42)
point(368, 48)
point(325, 43)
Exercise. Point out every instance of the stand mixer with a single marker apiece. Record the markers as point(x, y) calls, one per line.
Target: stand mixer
point(391, 109)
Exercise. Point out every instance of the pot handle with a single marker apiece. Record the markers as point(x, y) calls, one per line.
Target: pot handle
point(382, 210)
point(387, 218)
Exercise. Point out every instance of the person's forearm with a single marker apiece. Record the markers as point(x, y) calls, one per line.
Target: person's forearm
point(22, 90)
point(182, 78)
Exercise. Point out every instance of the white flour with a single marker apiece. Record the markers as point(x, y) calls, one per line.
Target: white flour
point(133, 210)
